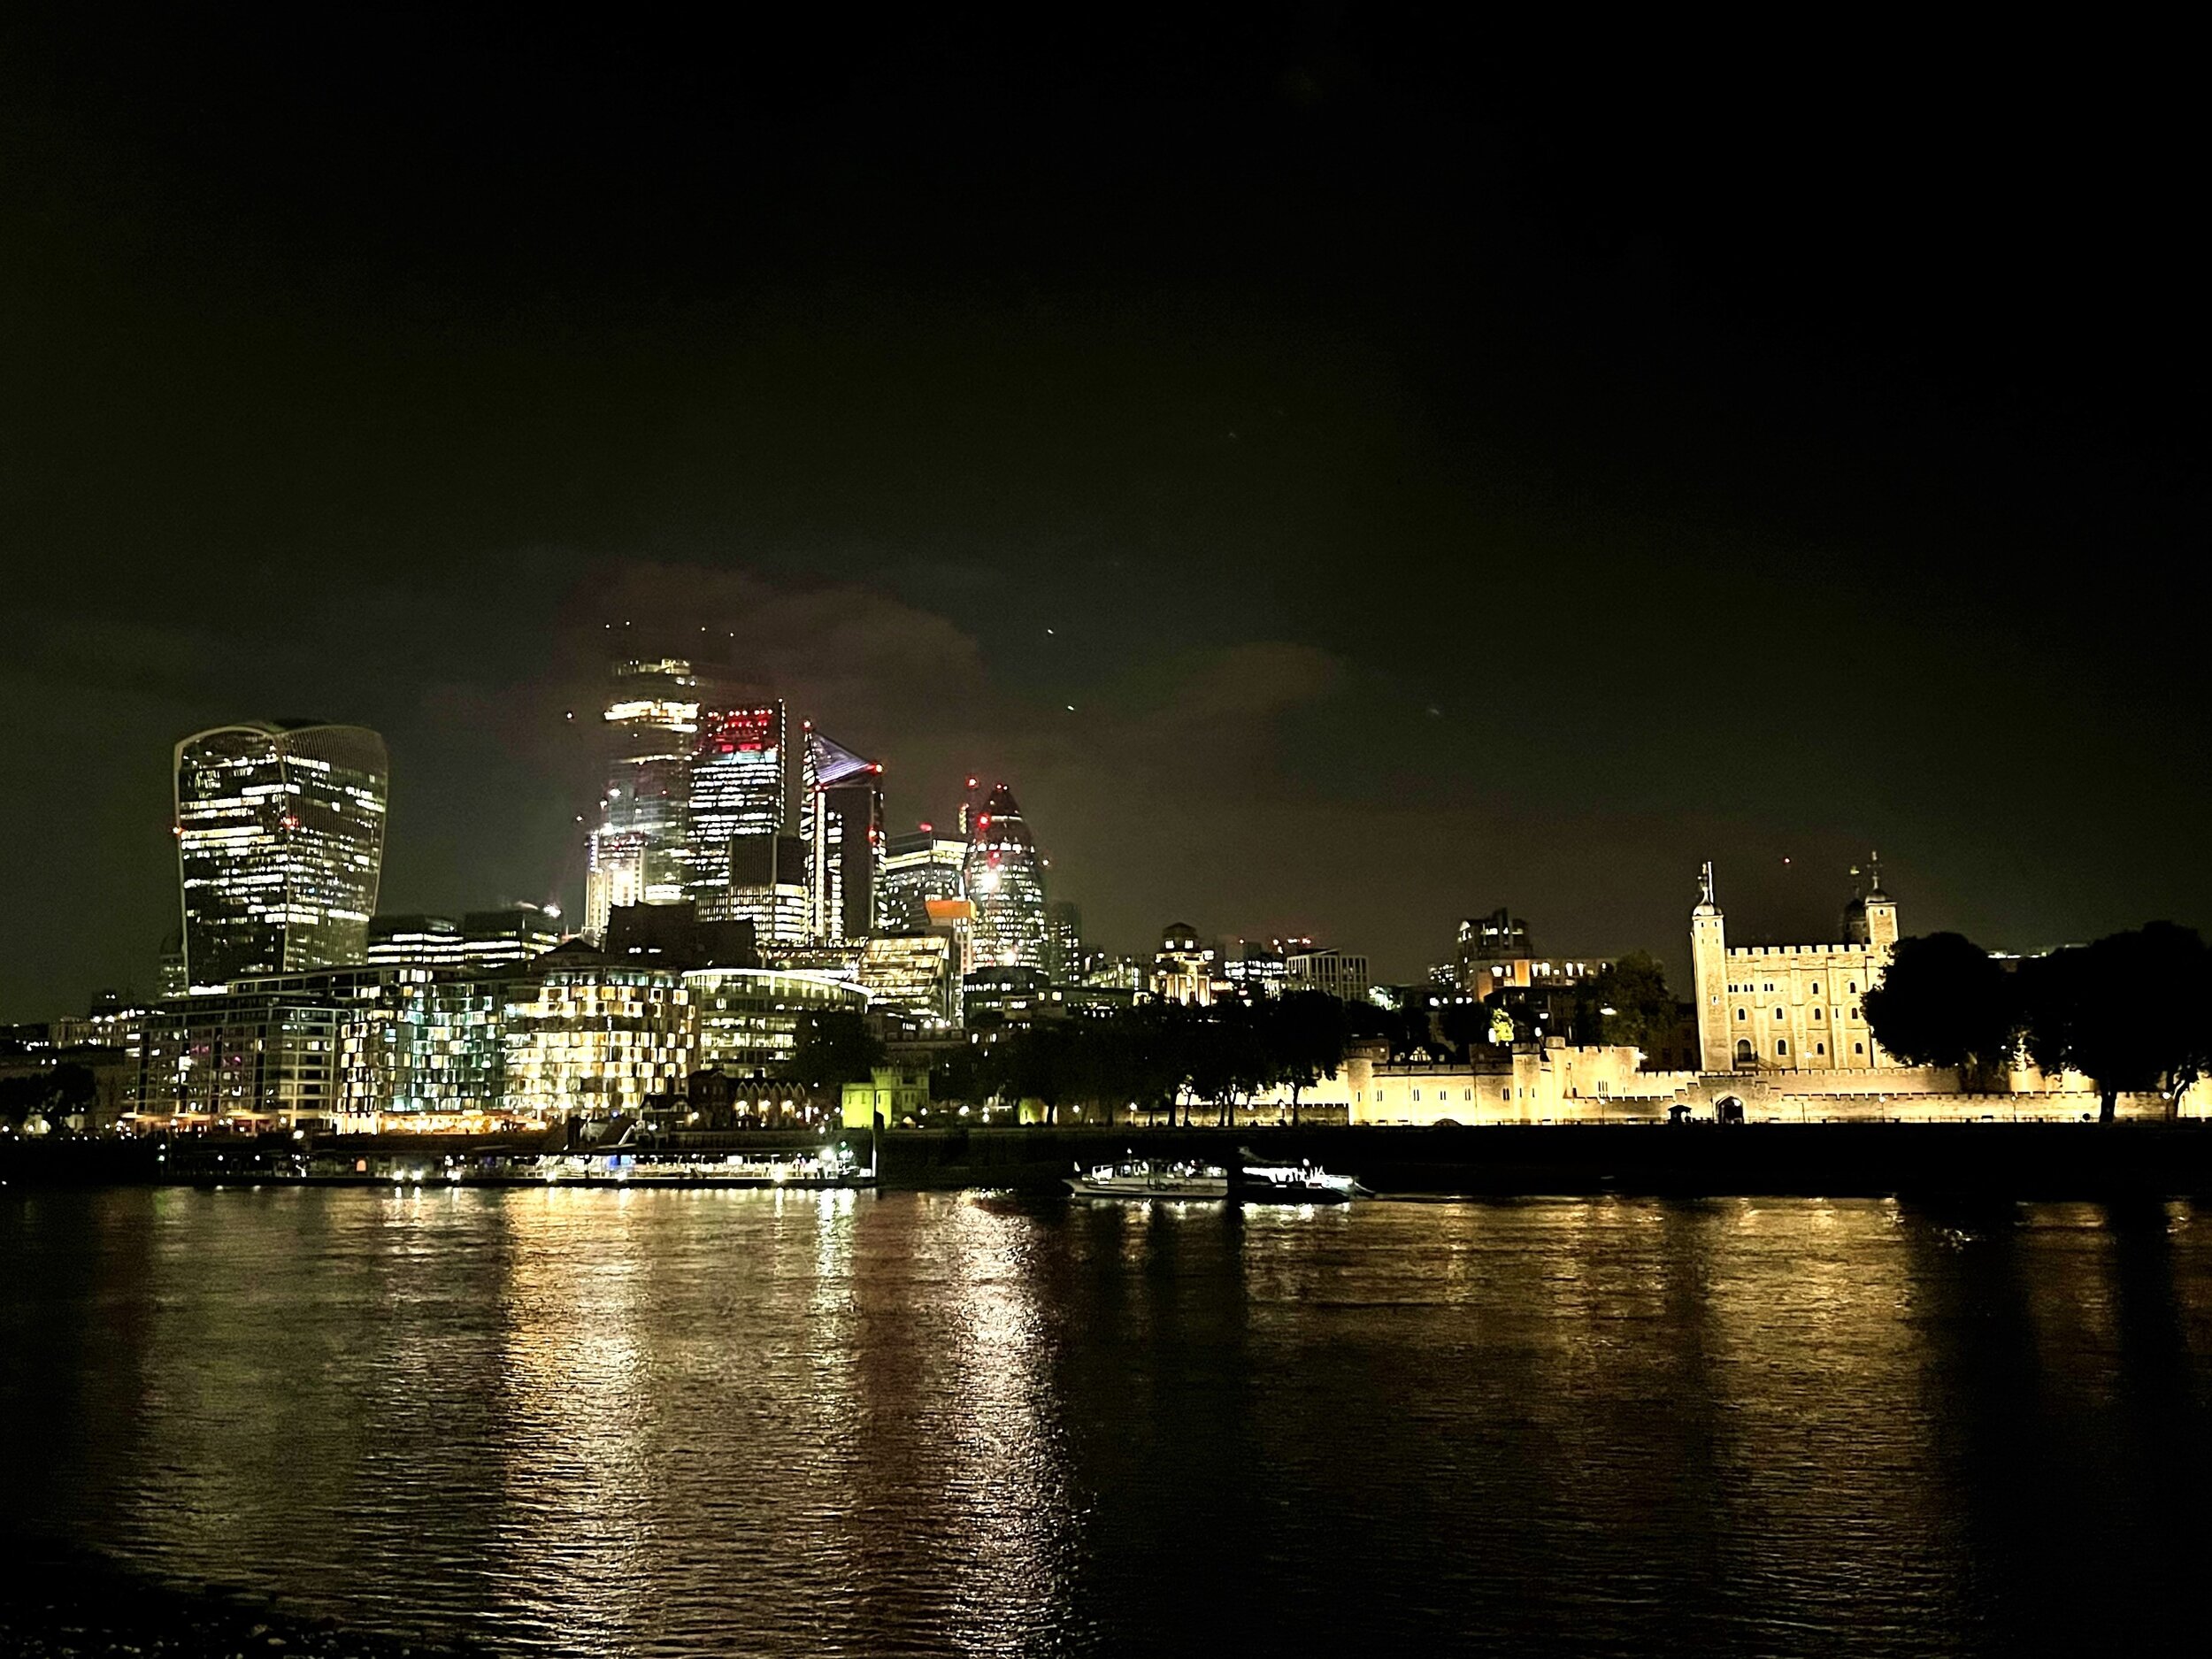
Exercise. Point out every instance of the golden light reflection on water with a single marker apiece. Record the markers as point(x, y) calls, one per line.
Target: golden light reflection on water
point(579, 1522)
point(803, 1423)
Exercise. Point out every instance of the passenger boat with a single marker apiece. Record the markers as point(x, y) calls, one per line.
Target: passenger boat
point(1151, 1177)
point(1297, 1183)
point(1254, 1183)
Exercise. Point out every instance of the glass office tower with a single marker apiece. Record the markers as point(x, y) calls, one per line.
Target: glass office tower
point(739, 791)
point(844, 832)
point(280, 847)
point(636, 854)
point(1005, 882)
point(917, 868)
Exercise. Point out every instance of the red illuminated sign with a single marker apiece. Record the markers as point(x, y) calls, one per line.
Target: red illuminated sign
point(743, 730)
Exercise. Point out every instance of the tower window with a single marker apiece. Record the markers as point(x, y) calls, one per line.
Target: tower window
point(1781, 1045)
point(1743, 1013)
point(1858, 1047)
point(1778, 1013)
point(1820, 1048)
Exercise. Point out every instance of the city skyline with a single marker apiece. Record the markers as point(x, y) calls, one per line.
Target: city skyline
point(1786, 907)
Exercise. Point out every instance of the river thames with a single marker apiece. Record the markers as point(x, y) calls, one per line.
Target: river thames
point(603, 1423)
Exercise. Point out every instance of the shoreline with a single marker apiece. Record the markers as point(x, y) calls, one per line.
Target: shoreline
point(71, 1600)
point(2041, 1161)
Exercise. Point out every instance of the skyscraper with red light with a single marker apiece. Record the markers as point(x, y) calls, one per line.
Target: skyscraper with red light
point(1003, 875)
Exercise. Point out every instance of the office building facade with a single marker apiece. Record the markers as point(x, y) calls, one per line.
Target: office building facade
point(280, 836)
point(843, 823)
point(916, 868)
point(636, 853)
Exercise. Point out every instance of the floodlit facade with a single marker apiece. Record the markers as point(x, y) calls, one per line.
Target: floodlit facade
point(1003, 879)
point(748, 1018)
point(1791, 1008)
point(636, 854)
point(1183, 967)
point(587, 1038)
point(279, 848)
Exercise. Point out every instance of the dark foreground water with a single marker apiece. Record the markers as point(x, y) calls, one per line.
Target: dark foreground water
point(708, 1422)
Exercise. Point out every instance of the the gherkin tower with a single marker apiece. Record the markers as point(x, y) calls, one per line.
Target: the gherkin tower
point(1005, 881)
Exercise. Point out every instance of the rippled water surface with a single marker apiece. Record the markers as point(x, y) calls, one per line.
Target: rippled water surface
point(678, 1423)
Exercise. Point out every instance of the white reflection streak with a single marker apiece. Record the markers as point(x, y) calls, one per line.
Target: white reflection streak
point(1003, 1470)
point(579, 1531)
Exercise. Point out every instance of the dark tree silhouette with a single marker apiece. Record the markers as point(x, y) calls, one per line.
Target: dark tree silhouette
point(1305, 1034)
point(834, 1048)
point(2133, 1011)
point(1942, 1001)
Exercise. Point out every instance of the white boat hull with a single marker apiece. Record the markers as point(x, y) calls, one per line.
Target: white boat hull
point(1187, 1188)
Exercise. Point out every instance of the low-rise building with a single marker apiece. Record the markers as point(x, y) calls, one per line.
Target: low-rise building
point(1317, 968)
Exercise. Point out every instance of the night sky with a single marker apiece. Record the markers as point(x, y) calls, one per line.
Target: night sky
point(1439, 472)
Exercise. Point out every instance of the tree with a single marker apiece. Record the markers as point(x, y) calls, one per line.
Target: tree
point(834, 1048)
point(1942, 1001)
point(1643, 1011)
point(1305, 1034)
point(2131, 1012)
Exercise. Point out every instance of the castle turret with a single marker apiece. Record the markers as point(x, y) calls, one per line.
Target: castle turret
point(1881, 910)
point(1709, 968)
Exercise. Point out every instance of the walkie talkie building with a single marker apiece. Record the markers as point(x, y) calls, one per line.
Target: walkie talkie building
point(280, 847)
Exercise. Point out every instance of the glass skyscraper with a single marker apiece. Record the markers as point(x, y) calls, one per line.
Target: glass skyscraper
point(739, 791)
point(844, 832)
point(917, 868)
point(280, 847)
point(1004, 878)
point(637, 852)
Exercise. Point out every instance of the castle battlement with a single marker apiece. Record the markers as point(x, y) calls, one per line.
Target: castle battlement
point(1796, 950)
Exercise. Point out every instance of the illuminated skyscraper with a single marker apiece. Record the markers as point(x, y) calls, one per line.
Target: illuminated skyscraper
point(844, 831)
point(1004, 878)
point(739, 790)
point(1064, 926)
point(637, 851)
point(917, 869)
point(280, 847)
